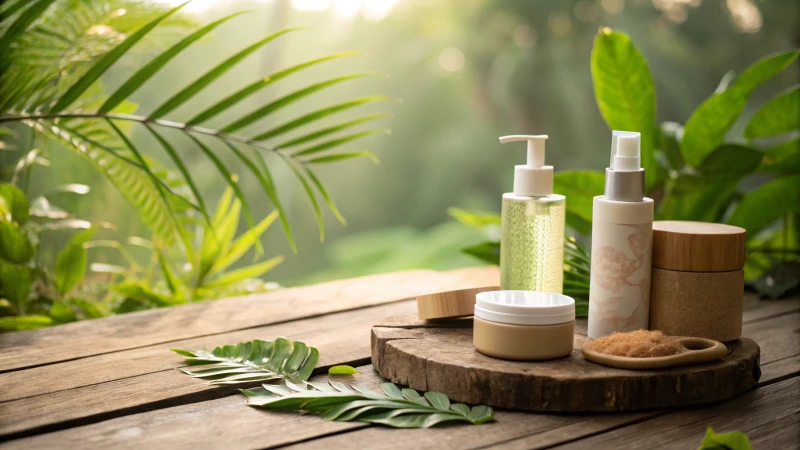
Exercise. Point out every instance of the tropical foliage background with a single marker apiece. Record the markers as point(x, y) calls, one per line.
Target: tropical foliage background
point(134, 199)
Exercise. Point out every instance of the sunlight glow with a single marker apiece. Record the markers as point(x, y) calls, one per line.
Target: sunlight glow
point(451, 59)
point(311, 5)
point(745, 15)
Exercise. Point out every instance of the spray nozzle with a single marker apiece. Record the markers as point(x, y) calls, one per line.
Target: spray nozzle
point(625, 151)
point(533, 179)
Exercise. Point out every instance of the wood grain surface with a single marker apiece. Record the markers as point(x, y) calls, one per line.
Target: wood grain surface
point(128, 395)
point(444, 360)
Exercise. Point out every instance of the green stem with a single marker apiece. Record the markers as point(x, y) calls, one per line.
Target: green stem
point(19, 117)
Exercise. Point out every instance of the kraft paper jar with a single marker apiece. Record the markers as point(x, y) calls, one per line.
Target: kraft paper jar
point(524, 325)
point(697, 280)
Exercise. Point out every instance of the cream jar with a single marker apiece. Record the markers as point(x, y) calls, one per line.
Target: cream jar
point(524, 325)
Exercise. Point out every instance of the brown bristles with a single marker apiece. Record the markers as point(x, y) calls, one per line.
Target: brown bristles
point(637, 344)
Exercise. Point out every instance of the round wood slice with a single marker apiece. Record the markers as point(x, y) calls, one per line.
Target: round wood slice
point(439, 356)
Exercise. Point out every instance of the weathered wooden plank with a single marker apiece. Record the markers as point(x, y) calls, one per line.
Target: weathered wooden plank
point(145, 379)
point(94, 337)
point(222, 423)
point(522, 423)
point(685, 429)
point(349, 328)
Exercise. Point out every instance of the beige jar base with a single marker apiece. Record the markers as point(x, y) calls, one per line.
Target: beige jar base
point(697, 304)
point(523, 342)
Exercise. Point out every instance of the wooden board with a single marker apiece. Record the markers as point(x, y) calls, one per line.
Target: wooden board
point(440, 358)
point(127, 331)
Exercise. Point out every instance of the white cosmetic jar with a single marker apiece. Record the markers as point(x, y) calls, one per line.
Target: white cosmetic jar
point(524, 325)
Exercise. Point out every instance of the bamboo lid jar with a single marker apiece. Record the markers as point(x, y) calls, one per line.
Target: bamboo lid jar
point(697, 281)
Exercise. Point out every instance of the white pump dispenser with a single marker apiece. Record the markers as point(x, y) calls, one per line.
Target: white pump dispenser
point(532, 243)
point(533, 179)
point(622, 234)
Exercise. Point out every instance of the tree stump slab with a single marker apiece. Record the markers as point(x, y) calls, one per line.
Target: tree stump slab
point(439, 356)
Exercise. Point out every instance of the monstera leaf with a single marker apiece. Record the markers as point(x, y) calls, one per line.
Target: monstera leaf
point(255, 360)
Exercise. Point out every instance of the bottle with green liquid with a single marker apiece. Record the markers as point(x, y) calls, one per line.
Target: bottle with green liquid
point(532, 242)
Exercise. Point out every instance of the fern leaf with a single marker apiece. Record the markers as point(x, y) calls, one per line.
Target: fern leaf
point(255, 360)
point(334, 401)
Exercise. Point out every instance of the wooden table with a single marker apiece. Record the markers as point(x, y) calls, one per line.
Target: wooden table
point(112, 383)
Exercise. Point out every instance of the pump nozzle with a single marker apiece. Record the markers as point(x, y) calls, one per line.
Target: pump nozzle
point(625, 176)
point(533, 179)
point(625, 150)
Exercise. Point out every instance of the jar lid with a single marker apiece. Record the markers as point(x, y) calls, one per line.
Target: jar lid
point(525, 307)
point(697, 246)
point(443, 305)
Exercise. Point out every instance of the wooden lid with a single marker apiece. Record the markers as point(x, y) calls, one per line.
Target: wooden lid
point(697, 246)
point(441, 305)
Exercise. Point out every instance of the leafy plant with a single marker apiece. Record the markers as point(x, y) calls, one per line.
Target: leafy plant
point(399, 408)
point(693, 171)
point(33, 293)
point(255, 360)
point(63, 101)
point(734, 440)
point(576, 260)
point(172, 277)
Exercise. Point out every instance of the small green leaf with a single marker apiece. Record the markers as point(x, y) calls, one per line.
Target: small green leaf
point(734, 440)
point(625, 94)
point(391, 390)
point(62, 313)
point(16, 202)
point(460, 408)
point(780, 115)
point(766, 204)
point(481, 414)
point(342, 370)
point(438, 400)
point(104, 63)
point(199, 84)
point(732, 159)
point(14, 245)
point(71, 262)
point(20, 323)
point(15, 282)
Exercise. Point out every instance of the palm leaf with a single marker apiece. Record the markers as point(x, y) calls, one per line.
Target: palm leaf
point(102, 65)
point(327, 145)
point(320, 114)
point(311, 197)
point(148, 70)
point(199, 84)
point(19, 26)
point(256, 86)
point(330, 130)
point(255, 360)
point(289, 99)
point(334, 401)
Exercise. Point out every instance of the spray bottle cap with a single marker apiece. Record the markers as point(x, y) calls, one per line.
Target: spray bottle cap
point(533, 179)
point(625, 151)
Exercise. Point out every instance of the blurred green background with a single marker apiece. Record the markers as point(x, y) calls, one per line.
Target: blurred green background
point(464, 72)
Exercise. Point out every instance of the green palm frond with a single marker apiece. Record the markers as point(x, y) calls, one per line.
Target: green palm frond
point(251, 361)
point(399, 408)
point(63, 99)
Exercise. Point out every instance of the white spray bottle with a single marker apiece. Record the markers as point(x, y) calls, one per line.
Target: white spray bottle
point(622, 235)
